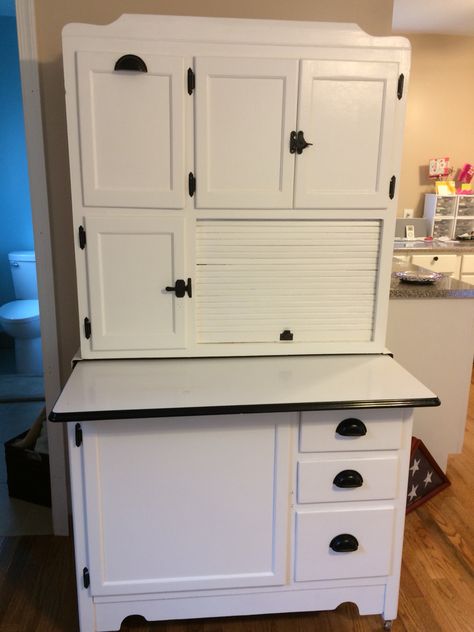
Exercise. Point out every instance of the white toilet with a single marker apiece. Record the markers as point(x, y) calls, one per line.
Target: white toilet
point(20, 318)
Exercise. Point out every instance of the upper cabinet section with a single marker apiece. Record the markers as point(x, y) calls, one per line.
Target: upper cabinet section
point(346, 111)
point(245, 111)
point(131, 129)
point(233, 184)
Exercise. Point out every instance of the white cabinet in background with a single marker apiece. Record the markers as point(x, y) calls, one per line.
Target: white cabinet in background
point(467, 269)
point(447, 264)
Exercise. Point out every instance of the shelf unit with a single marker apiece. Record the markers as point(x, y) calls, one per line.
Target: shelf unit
point(449, 215)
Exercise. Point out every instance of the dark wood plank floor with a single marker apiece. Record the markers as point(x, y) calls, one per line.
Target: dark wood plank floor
point(37, 592)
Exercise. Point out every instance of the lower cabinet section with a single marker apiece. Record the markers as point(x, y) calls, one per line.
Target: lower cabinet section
point(226, 515)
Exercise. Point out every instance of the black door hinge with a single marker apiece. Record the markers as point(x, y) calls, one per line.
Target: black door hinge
point(86, 577)
point(87, 328)
point(191, 81)
point(401, 82)
point(78, 432)
point(82, 237)
point(391, 189)
point(191, 184)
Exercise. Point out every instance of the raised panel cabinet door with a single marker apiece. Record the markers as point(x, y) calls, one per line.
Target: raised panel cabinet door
point(245, 112)
point(131, 128)
point(346, 109)
point(130, 262)
point(186, 503)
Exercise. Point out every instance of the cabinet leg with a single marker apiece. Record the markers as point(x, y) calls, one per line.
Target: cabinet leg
point(387, 625)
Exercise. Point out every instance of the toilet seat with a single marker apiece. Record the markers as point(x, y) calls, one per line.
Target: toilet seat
point(22, 311)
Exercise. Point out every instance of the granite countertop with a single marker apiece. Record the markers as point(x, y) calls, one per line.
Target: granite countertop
point(422, 246)
point(447, 287)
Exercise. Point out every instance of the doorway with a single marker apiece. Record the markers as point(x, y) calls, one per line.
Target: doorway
point(29, 70)
point(22, 511)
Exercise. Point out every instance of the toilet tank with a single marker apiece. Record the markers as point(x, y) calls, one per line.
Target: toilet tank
point(23, 268)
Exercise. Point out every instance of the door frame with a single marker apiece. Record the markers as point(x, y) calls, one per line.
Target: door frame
point(28, 54)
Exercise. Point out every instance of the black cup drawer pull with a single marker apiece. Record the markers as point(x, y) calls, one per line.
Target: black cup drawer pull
point(351, 427)
point(344, 543)
point(181, 288)
point(348, 479)
point(131, 62)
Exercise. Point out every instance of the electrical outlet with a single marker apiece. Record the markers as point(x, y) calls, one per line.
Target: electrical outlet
point(407, 213)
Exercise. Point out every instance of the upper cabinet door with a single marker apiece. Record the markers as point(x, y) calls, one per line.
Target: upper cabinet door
point(131, 261)
point(346, 110)
point(245, 112)
point(131, 126)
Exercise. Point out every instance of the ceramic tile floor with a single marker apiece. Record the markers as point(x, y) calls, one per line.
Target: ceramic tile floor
point(18, 517)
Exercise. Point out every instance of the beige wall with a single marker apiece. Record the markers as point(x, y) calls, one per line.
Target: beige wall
point(374, 16)
point(440, 113)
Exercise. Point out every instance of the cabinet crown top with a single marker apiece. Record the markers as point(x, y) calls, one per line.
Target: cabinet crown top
point(246, 31)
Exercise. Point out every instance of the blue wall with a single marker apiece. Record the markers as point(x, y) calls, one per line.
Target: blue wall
point(16, 231)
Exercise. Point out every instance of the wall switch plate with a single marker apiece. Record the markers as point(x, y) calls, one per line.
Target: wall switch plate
point(408, 212)
point(410, 231)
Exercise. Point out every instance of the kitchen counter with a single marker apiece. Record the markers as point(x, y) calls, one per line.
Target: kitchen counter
point(421, 246)
point(432, 336)
point(446, 287)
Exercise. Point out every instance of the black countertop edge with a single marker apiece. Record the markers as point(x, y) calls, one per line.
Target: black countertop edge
point(148, 413)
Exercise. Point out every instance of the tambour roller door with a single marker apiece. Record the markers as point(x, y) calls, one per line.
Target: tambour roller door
point(315, 278)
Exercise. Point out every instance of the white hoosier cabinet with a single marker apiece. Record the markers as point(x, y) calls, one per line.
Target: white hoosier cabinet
point(239, 439)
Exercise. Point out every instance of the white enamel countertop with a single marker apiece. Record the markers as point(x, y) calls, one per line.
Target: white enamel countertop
point(117, 389)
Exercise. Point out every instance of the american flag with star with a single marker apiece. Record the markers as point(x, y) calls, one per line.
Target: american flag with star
point(425, 478)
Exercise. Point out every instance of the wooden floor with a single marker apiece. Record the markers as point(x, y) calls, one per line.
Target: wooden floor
point(37, 592)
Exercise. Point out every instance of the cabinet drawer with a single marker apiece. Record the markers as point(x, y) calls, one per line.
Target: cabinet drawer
point(335, 477)
point(437, 263)
point(321, 431)
point(467, 264)
point(315, 530)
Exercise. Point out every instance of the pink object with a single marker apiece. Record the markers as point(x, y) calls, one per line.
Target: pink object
point(466, 173)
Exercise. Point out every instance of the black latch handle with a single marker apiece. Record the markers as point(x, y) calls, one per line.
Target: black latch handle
point(351, 427)
point(181, 288)
point(348, 479)
point(298, 142)
point(344, 543)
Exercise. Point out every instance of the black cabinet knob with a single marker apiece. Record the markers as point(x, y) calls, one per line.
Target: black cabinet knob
point(351, 427)
point(435, 258)
point(344, 543)
point(348, 479)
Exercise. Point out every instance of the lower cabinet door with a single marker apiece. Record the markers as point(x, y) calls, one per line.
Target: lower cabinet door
point(344, 543)
point(186, 503)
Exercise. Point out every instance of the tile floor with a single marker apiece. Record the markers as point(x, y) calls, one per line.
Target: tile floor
point(18, 517)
